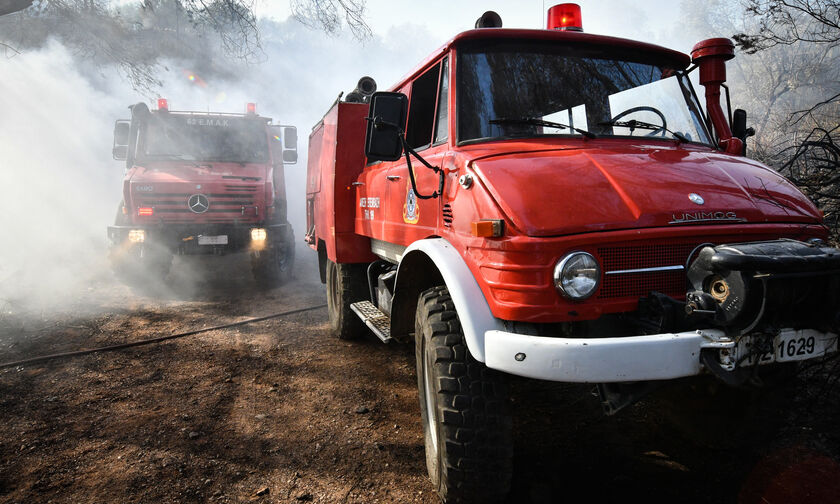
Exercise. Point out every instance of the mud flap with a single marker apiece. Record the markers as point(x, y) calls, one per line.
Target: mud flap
point(617, 396)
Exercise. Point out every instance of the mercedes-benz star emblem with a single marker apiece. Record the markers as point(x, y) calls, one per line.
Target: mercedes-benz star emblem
point(198, 203)
point(696, 198)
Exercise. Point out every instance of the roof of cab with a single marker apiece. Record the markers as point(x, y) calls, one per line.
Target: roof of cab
point(678, 59)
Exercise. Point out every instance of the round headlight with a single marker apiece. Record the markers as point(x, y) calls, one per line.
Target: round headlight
point(576, 276)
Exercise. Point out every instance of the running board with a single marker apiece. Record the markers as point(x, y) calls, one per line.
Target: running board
point(373, 317)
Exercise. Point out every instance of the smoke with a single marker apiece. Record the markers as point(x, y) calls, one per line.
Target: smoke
point(57, 179)
point(60, 187)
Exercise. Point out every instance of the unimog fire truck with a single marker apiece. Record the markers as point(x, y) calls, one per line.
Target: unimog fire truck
point(561, 206)
point(202, 183)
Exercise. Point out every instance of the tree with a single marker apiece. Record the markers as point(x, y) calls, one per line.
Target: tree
point(327, 15)
point(214, 36)
point(801, 38)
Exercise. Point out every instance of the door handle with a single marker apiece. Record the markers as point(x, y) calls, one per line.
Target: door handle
point(357, 183)
point(393, 177)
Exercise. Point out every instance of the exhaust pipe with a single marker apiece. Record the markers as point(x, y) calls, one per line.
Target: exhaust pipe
point(489, 20)
point(364, 89)
point(711, 56)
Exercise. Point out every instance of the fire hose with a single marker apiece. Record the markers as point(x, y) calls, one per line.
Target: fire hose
point(150, 341)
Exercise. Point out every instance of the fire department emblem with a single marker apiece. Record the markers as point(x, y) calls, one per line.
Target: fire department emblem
point(411, 213)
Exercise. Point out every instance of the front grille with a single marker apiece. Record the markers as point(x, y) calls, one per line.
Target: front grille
point(655, 255)
point(241, 188)
point(173, 203)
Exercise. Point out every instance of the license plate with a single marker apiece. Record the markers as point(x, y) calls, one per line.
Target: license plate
point(213, 240)
point(789, 345)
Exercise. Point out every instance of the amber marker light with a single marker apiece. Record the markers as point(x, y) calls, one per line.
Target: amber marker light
point(488, 228)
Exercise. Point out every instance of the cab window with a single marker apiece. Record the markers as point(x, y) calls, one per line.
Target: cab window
point(442, 120)
point(421, 110)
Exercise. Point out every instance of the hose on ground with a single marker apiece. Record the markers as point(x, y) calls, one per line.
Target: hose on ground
point(150, 341)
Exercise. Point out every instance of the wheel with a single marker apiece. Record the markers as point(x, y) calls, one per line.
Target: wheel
point(346, 284)
point(274, 266)
point(662, 129)
point(466, 420)
point(140, 264)
point(701, 408)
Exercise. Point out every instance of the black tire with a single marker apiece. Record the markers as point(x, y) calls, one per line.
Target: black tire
point(466, 419)
point(138, 264)
point(346, 284)
point(275, 266)
point(141, 264)
point(703, 407)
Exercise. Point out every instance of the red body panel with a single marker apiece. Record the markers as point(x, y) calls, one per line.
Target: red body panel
point(334, 162)
point(599, 185)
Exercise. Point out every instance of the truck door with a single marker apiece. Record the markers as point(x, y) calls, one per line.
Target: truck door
point(409, 218)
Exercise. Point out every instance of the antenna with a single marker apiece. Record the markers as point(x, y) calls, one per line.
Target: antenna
point(542, 14)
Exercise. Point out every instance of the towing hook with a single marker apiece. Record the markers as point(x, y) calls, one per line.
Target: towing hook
point(735, 378)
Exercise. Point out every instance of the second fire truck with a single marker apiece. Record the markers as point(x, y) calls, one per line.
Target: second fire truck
point(202, 183)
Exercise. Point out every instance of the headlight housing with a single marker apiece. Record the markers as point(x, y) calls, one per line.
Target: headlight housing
point(577, 275)
point(258, 234)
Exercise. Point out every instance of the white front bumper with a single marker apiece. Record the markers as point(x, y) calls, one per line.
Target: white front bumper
point(601, 360)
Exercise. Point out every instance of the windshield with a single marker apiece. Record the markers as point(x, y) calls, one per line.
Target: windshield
point(513, 89)
point(206, 138)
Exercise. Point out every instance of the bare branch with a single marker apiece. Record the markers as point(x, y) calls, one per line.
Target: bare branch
point(327, 15)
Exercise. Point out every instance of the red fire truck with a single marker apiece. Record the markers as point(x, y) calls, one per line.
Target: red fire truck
point(560, 206)
point(202, 183)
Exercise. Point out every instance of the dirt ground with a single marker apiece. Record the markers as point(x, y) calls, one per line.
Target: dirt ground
point(278, 411)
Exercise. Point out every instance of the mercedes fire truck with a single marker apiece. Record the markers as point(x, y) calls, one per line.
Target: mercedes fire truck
point(202, 183)
point(561, 206)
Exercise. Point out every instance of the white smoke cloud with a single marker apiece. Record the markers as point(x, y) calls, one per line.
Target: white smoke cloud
point(60, 187)
point(57, 178)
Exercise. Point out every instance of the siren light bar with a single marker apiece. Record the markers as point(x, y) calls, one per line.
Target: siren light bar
point(565, 17)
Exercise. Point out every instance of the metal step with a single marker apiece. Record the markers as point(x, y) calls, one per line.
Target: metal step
point(373, 317)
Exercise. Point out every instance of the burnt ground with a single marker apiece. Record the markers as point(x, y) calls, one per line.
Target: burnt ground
point(279, 411)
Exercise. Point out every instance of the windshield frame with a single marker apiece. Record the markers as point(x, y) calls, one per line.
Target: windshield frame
point(589, 50)
point(143, 150)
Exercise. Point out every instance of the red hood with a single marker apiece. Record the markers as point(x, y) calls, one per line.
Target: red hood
point(188, 172)
point(572, 190)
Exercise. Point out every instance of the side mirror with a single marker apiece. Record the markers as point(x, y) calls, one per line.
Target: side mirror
point(739, 124)
point(739, 127)
point(290, 155)
point(284, 144)
point(121, 133)
point(385, 126)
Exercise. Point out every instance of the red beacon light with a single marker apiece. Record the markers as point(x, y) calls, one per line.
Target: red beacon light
point(251, 109)
point(565, 17)
point(163, 104)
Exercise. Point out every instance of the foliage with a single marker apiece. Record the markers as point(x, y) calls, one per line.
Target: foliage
point(213, 36)
point(796, 44)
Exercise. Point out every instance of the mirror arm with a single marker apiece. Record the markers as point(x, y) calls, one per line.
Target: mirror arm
point(411, 152)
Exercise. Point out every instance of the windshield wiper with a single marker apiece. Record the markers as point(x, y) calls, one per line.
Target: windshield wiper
point(540, 122)
point(634, 124)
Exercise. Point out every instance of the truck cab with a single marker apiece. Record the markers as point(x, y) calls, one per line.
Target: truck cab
point(560, 206)
point(202, 183)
